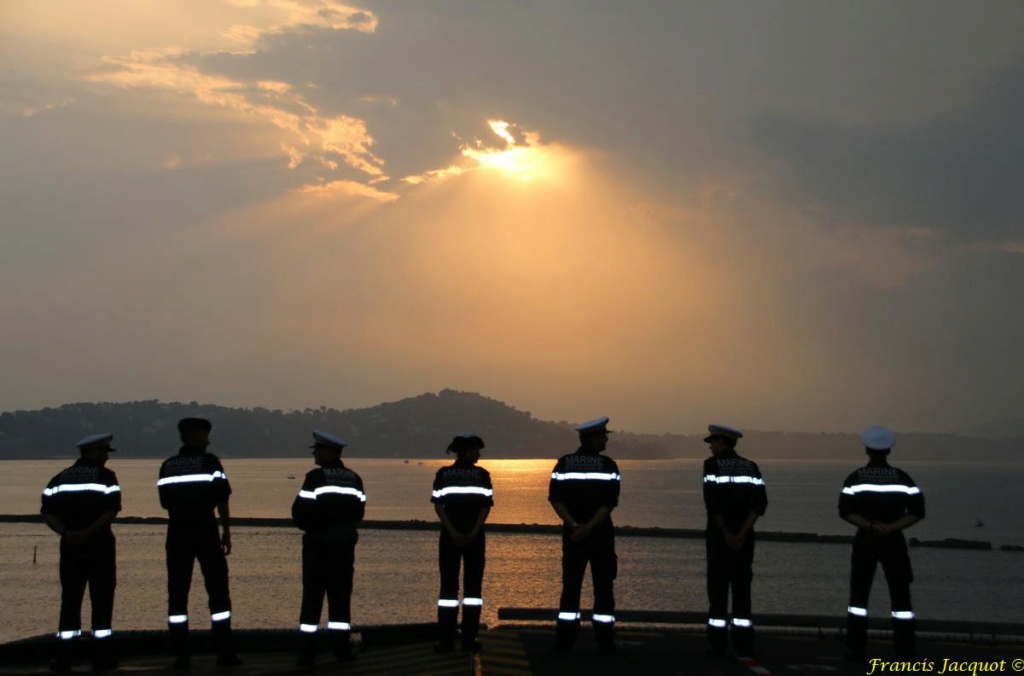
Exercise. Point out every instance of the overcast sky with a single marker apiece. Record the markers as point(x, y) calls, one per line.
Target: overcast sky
point(777, 215)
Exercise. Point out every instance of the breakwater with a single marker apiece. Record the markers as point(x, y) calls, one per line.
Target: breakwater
point(547, 529)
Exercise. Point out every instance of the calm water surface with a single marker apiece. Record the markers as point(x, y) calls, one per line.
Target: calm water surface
point(396, 572)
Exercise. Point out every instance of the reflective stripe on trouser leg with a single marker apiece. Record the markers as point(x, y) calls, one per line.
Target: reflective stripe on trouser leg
point(102, 633)
point(903, 632)
point(718, 632)
point(177, 626)
point(857, 629)
point(447, 618)
point(743, 635)
point(220, 632)
point(471, 608)
point(473, 563)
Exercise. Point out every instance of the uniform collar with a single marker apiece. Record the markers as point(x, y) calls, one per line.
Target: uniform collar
point(189, 450)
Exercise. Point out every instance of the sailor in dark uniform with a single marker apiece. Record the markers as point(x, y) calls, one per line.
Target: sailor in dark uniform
point(583, 491)
point(328, 507)
point(192, 484)
point(880, 500)
point(735, 497)
point(79, 504)
point(462, 498)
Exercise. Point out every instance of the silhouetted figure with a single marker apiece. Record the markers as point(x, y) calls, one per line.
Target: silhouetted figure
point(880, 500)
point(328, 507)
point(735, 497)
point(192, 485)
point(583, 491)
point(79, 504)
point(462, 498)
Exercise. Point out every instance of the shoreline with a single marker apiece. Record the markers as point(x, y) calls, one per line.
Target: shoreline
point(546, 529)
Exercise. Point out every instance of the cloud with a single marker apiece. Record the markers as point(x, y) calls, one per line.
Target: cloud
point(296, 16)
point(273, 103)
point(21, 94)
point(954, 174)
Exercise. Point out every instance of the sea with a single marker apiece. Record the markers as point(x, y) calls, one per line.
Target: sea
point(396, 578)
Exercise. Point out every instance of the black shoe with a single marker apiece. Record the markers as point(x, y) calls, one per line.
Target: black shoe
point(715, 653)
point(305, 660)
point(344, 654)
point(746, 653)
point(562, 647)
point(231, 660)
point(447, 646)
point(608, 647)
point(472, 646)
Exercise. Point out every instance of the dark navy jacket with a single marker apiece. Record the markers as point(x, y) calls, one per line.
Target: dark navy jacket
point(330, 496)
point(81, 493)
point(191, 485)
point(733, 487)
point(584, 483)
point(880, 492)
point(463, 489)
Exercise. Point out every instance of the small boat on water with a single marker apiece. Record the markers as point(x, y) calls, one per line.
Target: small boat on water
point(978, 523)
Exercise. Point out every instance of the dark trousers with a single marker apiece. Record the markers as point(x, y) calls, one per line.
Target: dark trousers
point(599, 551)
point(729, 569)
point(327, 568)
point(93, 563)
point(472, 559)
point(891, 551)
point(187, 542)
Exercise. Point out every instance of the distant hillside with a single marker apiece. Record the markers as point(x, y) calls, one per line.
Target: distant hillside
point(417, 427)
point(1007, 428)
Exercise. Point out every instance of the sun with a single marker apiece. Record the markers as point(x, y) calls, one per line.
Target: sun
point(525, 160)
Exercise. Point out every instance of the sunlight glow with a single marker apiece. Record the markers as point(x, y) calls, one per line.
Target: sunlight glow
point(526, 160)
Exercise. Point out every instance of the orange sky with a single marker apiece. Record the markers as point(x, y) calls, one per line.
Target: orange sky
point(295, 203)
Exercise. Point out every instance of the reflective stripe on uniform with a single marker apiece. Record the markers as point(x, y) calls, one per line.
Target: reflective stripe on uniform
point(743, 479)
point(190, 478)
point(880, 488)
point(859, 612)
point(177, 619)
point(902, 614)
point(75, 488)
point(716, 622)
point(220, 617)
point(463, 490)
point(308, 628)
point(472, 601)
point(740, 622)
point(604, 619)
point(66, 635)
point(448, 603)
point(568, 616)
point(341, 490)
point(585, 476)
point(101, 633)
point(339, 626)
